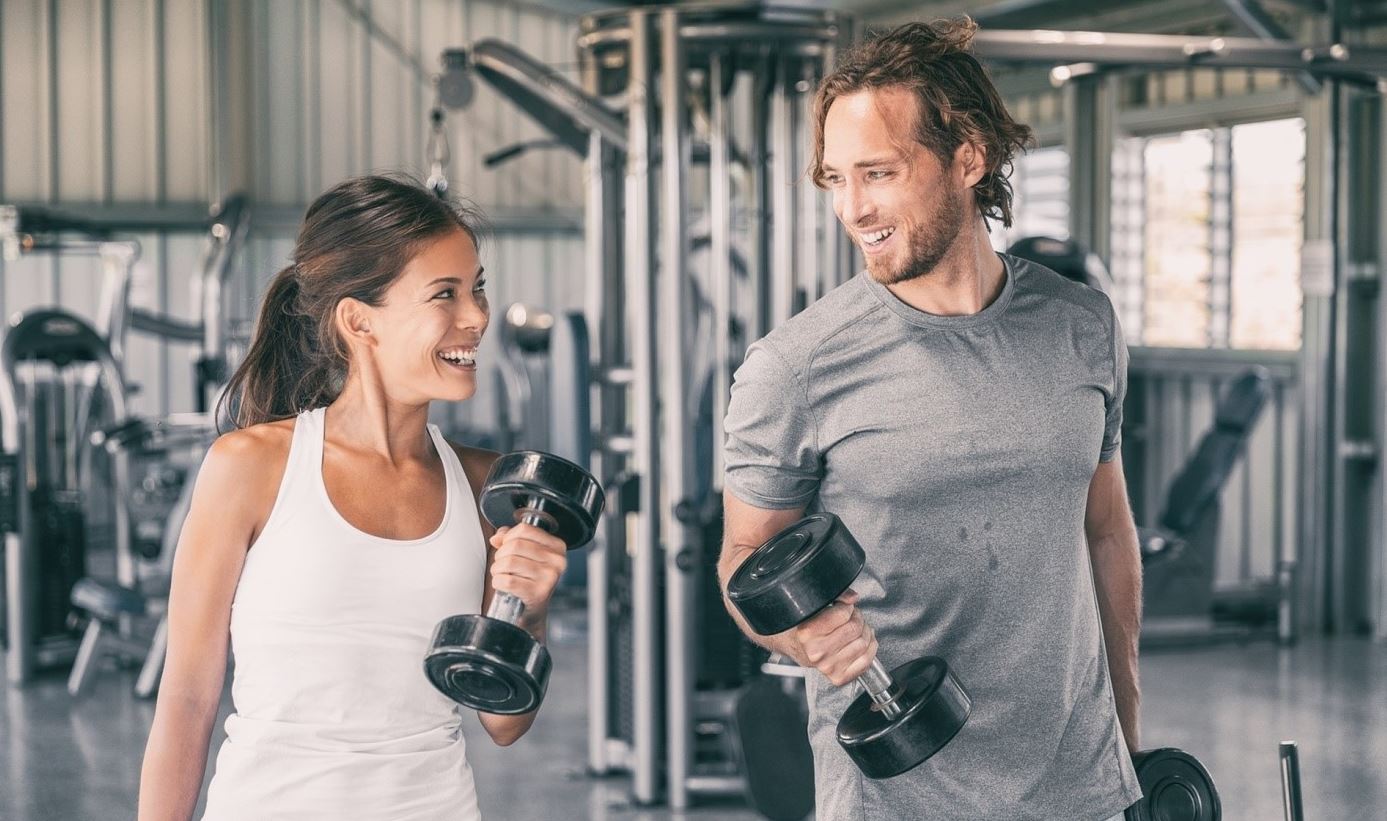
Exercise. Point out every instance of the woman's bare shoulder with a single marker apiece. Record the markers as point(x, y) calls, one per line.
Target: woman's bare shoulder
point(249, 463)
point(256, 445)
point(476, 463)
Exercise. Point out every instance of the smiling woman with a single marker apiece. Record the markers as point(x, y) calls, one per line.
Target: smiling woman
point(356, 240)
point(333, 530)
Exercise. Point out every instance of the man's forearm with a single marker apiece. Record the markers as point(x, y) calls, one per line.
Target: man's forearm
point(783, 643)
point(1117, 578)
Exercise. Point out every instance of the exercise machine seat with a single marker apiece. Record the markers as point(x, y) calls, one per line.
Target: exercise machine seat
point(107, 600)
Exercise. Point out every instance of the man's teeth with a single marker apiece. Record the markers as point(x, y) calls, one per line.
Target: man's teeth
point(459, 356)
point(876, 237)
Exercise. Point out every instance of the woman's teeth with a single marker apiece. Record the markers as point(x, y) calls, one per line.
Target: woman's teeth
point(459, 356)
point(877, 237)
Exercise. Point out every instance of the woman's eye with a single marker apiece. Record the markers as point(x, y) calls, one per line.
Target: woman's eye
point(480, 286)
point(446, 293)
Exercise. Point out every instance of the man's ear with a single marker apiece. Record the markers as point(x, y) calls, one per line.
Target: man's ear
point(353, 320)
point(971, 161)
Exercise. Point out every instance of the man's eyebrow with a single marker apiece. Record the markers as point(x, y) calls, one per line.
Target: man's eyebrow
point(886, 160)
point(867, 163)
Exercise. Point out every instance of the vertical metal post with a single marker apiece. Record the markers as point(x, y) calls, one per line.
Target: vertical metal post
point(218, 115)
point(1317, 286)
point(814, 266)
point(19, 645)
point(720, 236)
point(758, 315)
point(838, 252)
point(599, 655)
point(1285, 548)
point(1290, 782)
point(1340, 591)
point(1377, 538)
point(1221, 240)
point(782, 269)
point(646, 743)
point(676, 458)
point(1088, 137)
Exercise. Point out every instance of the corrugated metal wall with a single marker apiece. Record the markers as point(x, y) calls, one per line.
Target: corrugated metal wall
point(157, 107)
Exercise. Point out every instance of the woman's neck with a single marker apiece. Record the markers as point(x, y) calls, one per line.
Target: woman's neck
point(365, 417)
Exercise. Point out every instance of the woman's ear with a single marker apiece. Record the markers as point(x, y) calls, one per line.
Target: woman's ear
point(353, 320)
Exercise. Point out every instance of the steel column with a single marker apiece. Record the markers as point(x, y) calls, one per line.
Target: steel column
point(647, 743)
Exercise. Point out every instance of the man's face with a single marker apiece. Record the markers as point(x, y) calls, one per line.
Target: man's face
point(901, 205)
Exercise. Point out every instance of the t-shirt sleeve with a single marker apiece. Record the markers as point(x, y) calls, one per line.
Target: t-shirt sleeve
point(771, 456)
point(1112, 427)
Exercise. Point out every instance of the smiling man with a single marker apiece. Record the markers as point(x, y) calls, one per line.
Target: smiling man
point(960, 411)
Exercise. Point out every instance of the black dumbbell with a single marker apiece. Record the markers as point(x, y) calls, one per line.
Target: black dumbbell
point(1174, 787)
point(490, 663)
point(906, 715)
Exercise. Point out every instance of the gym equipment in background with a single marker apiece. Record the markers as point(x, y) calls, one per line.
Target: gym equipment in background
point(165, 456)
point(61, 377)
point(1067, 258)
point(1178, 555)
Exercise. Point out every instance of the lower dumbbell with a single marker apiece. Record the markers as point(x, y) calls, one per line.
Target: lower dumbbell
point(490, 663)
point(1174, 787)
point(905, 716)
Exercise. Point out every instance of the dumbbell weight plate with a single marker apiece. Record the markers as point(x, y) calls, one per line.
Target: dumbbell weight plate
point(566, 494)
point(1174, 787)
point(795, 574)
point(488, 664)
point(934, 708)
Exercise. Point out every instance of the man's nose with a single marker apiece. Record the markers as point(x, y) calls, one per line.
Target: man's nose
point(856, 205)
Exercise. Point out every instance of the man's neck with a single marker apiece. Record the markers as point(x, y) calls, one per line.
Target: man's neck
point(968, 278)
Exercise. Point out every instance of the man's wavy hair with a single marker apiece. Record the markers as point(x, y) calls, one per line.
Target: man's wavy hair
point(957, 101)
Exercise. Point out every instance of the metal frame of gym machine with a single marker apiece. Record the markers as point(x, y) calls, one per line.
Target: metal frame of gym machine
point(745, 74)
point(27, 229)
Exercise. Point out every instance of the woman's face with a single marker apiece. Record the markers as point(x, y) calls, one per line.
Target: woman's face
point(431, 323)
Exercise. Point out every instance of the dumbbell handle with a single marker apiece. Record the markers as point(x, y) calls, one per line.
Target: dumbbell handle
point(880, 686)
point(509, 607)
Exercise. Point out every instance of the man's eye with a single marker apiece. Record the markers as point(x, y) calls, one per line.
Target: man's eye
point(878, 175)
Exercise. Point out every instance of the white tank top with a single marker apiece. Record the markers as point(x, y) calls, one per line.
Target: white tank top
point(334, 717)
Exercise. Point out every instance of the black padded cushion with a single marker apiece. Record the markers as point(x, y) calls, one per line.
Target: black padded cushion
point(776, 756)
point(1243, 401)
point(107, 600)
point(1067, 258)
point(1199, 482)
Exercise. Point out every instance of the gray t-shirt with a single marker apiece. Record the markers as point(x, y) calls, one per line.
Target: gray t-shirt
point(959, 452)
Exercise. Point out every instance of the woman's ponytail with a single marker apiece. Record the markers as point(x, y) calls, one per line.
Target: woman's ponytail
point(285, 369)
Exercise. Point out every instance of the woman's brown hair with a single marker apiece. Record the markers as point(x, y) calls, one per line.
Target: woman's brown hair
point(355, 240)
point(957, 101)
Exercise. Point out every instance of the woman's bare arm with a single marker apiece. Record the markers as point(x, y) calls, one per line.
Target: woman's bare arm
point(233, 496)
point(504, 729)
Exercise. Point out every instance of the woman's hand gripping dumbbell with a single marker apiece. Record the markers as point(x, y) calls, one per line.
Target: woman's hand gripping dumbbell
point(491, 663)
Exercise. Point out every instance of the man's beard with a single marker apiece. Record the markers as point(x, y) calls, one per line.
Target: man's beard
point(926, 244)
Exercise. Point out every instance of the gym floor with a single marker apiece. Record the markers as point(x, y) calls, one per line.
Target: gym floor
point(1230, 705)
